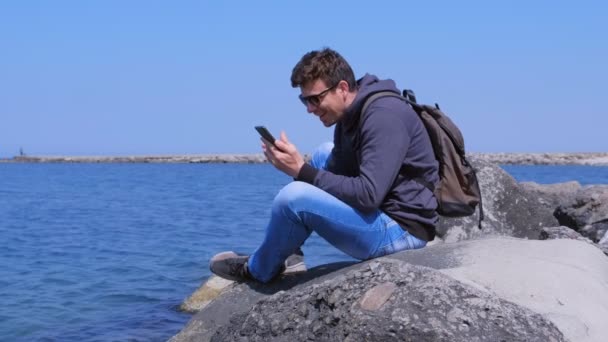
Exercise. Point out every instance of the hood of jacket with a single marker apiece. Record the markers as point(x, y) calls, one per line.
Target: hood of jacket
point(366, 86)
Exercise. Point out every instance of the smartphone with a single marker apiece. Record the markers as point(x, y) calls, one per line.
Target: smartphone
point(265, 134)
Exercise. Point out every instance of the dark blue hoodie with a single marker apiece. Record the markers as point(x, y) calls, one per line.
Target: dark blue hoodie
point(376, 157)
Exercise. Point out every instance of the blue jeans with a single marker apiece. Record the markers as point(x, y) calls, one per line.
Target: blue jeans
point(300, 208)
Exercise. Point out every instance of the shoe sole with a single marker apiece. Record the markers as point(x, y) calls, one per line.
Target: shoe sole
point(295, 268)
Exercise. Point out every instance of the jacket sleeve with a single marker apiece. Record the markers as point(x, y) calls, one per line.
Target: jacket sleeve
point(384, 139)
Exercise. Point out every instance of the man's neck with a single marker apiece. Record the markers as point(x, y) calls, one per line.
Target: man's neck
point(350, 97)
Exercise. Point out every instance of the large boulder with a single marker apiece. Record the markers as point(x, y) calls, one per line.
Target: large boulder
point(509, 209)
point(582, 211)
point(586, 212)
point(388, 301)
point(479, 290)
point(563, 232)
point(596, 159)
point(552, 195)
point(564, 280)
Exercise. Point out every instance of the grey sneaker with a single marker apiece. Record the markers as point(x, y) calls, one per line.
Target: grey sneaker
point(231, 266)
point(295, 263)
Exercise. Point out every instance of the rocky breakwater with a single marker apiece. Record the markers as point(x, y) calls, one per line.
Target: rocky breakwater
point(596, 159)
point(500, 283)
point(206, 158)
point(528, 210)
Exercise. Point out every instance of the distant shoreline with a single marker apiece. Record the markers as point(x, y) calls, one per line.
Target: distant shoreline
point(587, 158)
point(202, 158)
point(595, 159)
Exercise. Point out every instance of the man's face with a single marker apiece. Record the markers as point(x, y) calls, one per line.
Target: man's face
point(323, 100)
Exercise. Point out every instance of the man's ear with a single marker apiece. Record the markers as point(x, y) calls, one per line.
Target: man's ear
point(343, 86)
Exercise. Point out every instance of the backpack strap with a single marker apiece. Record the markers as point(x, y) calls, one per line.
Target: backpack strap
point(408, 96)
point(374, 96)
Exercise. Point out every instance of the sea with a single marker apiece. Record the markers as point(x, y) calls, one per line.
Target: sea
point(107, 252)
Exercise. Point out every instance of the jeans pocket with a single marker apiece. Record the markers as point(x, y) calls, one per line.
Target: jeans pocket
point(402, 241)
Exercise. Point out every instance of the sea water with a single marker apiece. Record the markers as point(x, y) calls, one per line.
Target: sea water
point(107, 252)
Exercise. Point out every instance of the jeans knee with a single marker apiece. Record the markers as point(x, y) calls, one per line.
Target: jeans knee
point(291, 194)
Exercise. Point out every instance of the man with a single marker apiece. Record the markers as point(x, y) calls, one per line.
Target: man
point(366, 195)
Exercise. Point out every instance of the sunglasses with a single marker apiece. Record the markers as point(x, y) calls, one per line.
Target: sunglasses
point(315, 100)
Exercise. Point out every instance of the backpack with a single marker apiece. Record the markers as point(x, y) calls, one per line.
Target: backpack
point(458, 191)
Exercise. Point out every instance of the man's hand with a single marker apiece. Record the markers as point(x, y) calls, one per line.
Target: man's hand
point(285, 156)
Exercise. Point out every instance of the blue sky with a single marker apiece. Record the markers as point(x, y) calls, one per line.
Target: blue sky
point(189, 77)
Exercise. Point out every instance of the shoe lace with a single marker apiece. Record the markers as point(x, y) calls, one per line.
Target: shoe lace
point(238, 267)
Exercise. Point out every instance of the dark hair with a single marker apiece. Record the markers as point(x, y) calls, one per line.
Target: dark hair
point(326, 65)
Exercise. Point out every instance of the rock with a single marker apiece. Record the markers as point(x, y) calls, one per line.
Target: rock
point(562, 232)
point(557, 189)
point(376, 297)
point(604, 240)
point(416, 304)
point(564, 280)
point(510, 210)
point(195, 158)
point(596, 159)
point(552, 194)
point(586, 212)
point(238, 298)
point(486, 290)
point(205, 294)
point(603, 244)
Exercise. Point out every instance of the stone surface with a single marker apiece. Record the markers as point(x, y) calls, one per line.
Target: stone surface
point(603, 244)
point(509, 209)
point(604, 240)
point(562, 232)
point(205, 294)
point(564, 280)
point(377, 296)
point(425, 305)
point(526, 288)
point(241, 297)
point(586, 212)
point(595, 159)
point(558, 189)
point(552, 195)
point(203, 158)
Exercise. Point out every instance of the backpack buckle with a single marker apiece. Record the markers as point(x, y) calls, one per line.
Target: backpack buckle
point(409, 95)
